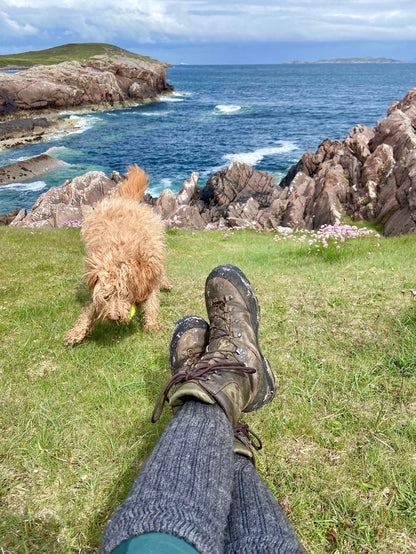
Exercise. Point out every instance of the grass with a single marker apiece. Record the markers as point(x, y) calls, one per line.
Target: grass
point(66, 52)
point(338, 438)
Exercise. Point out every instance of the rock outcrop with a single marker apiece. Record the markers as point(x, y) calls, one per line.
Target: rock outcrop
point(23, 130)
point(66, 204)
point(29, 169)
point(371, 175)
point(93, 82)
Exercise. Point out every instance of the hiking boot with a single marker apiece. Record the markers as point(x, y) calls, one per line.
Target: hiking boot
point(189, 340)
point(233, 371)
point(188, 343)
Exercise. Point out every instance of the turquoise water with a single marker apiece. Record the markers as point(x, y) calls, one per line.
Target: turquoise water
point(264, 115)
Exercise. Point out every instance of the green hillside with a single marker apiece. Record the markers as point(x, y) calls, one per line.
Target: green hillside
point(66, 52)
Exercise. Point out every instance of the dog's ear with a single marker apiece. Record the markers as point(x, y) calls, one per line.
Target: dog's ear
point(92, 279)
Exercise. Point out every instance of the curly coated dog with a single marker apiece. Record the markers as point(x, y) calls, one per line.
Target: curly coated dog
point(125, 244)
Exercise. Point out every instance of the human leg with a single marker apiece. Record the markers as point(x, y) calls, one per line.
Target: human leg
point(184, 488)
point(231, 376)
point(256, 522)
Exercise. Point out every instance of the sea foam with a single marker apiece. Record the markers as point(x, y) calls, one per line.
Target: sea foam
point(156, 188)
point(25, 187)
point(174, 97)
point(255, 157)
point(155, 114)
point(227, 108)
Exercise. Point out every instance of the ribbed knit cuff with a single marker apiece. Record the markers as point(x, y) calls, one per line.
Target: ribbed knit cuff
point(184, 488)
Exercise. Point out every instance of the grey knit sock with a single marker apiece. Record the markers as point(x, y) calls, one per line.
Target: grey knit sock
point(256, 523)
point(184, 488)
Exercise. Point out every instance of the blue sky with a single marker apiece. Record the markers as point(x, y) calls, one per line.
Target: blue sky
point(218, 31)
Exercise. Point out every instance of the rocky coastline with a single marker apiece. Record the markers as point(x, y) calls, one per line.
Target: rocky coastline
point(32, 100)
point(370, 176)
point(73, 84)
point(16, 132)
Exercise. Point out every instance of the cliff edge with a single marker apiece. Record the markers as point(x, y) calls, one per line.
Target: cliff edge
point(102, 80)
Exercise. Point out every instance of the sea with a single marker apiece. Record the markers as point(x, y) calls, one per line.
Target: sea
point(264, 115)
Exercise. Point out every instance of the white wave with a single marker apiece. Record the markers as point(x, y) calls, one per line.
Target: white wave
point(156, 188)
point(55, 150)
point(165, 182)
point(253, 158)
point(155, 114)
point(227, 108)
point(24, 187)
point(84, 123)
point(171, 99)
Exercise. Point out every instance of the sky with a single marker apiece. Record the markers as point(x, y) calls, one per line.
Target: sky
point(217, 31)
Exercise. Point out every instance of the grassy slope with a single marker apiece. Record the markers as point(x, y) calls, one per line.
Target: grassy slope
point(64, 53)
point(338, 438)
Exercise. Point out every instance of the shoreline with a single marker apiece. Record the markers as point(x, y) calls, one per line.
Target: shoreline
point(61, 125)
point(65, 121)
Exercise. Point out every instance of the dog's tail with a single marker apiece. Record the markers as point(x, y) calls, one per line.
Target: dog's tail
point(135, 185)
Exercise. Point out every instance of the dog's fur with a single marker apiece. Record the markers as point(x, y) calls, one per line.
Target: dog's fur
point(125, 244)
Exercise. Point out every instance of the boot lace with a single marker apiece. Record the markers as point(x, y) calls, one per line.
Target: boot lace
point(248, 437)
point(217, 360)
point(195, 373)
point(243, 433)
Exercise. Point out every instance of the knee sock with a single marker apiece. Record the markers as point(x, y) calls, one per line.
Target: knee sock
point(184, 488)
point(256, 522)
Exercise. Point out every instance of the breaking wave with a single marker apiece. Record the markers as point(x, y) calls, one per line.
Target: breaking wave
point(256, 156)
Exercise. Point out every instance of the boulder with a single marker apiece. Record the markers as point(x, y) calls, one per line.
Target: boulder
point(6, 219)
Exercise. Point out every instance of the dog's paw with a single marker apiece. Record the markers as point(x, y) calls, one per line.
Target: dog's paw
point(74, 337)
point(151, 326)
point(166, 284)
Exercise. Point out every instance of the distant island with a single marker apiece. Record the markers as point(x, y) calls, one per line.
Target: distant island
point(367, 59)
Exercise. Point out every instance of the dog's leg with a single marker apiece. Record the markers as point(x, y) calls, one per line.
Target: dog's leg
point(83, 325)
point(166, 283)
point(151, 312)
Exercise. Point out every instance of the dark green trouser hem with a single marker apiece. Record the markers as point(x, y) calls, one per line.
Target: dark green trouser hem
point(154, 543)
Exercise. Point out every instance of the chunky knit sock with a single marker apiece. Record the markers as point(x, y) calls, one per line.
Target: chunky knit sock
point(256, 523)
point(184, 488)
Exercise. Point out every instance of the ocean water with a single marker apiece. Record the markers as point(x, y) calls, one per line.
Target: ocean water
point(264, 115)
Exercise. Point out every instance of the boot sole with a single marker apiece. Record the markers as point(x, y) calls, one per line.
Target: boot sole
point(237, 278)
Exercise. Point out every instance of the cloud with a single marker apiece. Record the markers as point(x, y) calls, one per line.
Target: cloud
point(202, 21)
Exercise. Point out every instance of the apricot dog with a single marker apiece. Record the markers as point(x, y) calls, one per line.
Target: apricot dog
point(125, 245)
